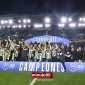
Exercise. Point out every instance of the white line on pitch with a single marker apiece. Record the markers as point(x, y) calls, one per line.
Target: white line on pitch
point(33, 81)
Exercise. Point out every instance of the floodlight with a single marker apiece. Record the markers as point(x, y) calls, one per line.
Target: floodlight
point(70, 19)
point(6, 21)
point(61, 25)
point(83, 24)
point(83, 19)
point(10, 21)
point(28, 25)
point(28, 21)
point(80, 19)
point(3, 26)
point(24, 20)
point(47, 20)
point(47, 25)
point(79, 24)
point(19, 26)
point(14, 26)
point(2, 21)
point(35, 25)
point(19, 21)
point(72, 25)
point(24, 26)
point(38, 25)
point(63, 19)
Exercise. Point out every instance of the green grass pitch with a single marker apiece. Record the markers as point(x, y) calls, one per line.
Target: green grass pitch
point(24, 78)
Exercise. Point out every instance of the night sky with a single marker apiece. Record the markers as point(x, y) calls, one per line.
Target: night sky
point(40, 6)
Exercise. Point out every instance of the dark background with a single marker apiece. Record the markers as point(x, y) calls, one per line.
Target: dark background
point(40, 6)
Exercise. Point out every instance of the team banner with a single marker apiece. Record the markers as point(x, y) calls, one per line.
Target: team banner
point(52, 39)
point(42, 66)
